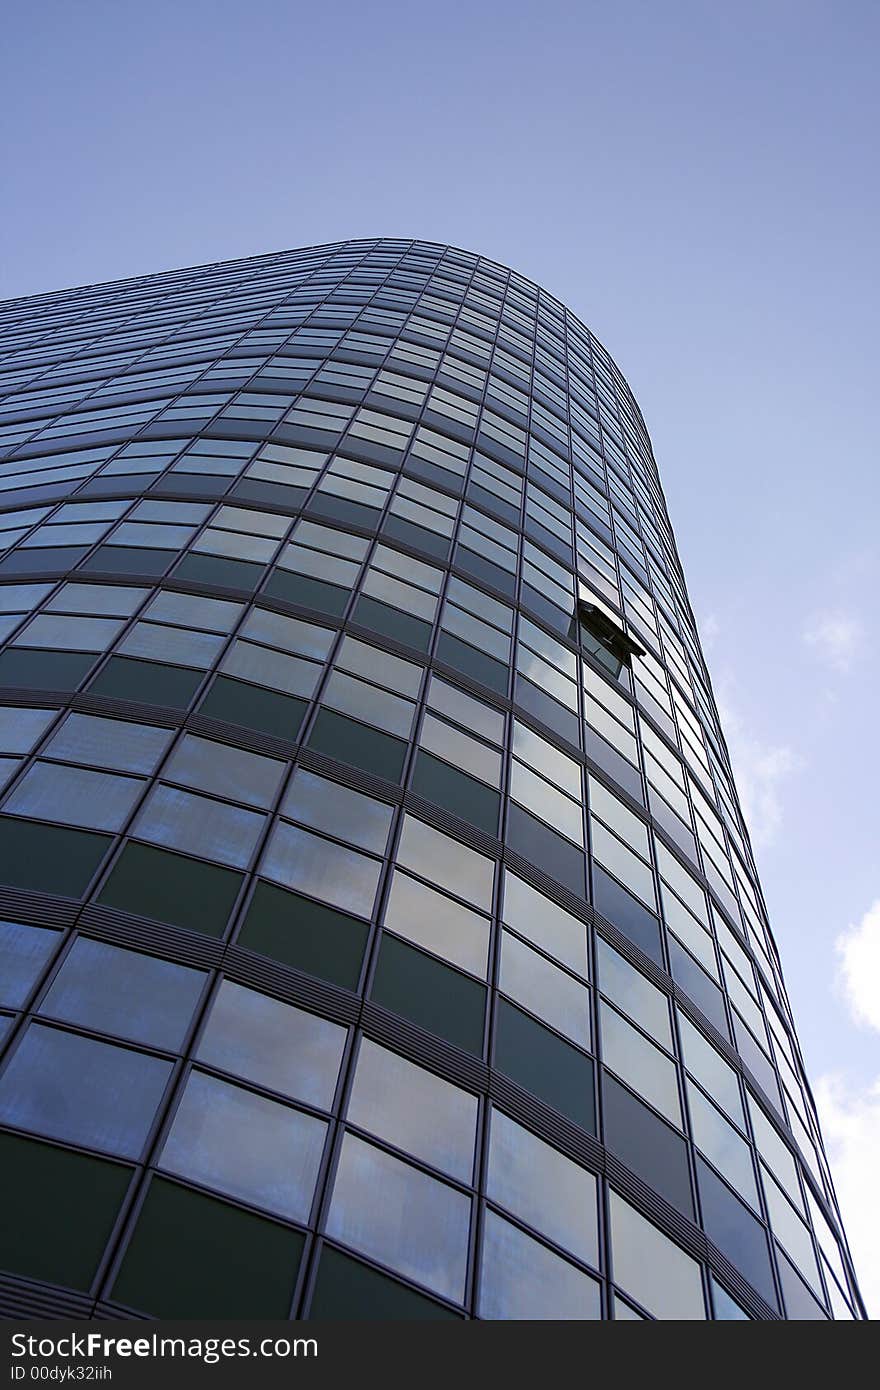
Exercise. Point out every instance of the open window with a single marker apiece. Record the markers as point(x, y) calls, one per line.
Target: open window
point(603, 635)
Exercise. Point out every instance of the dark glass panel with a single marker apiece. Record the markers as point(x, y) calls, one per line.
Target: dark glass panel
point(63, 1212)
point(545, 1064)
point(49, 858)
point(268, 711)
point(351, 742)
point(192, 1256)
point(347, 1289)
point(307, 935)
point(171, 888)
point(430, 993)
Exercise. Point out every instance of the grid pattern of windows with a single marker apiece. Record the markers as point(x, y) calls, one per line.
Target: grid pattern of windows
point(341, 846)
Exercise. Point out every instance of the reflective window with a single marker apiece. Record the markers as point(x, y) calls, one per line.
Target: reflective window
point(714, 1074)
point(137, 997)
point(75, 796)
point(438, 923)
point(245, 1145)
point(111, 743)
point(20, 728)
point(297, 859)
point(523, 1280)
point(348, 814)
point(539, 920)
point(638, 1062)
point(199, 825)
point(446, 861)
point(85, 1092)
point(545, 990)
point(273, 1044)
point(414, 1110)
point(216, 767)
point(648, 1266)
point(631, 992)
point(419, 1228)
point(24, 951)
point(722, 1145)
point(542, 1187)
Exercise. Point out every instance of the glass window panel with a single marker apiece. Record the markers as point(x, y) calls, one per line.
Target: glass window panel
point(245, 1145)
point(647, 1265)
point(213, 614)
point(722, 1145)
point(191, 512)
point(251, 522)
point(322, 869)
point(350, 696)
point(181, 646)
point(233, 772)
point(420, 1227)
point(438, 923)
point(353, 817)
point(543, 1188)
point(726, 1310)
point(544, 990)
point(362, 659)
point(640, 1064)
point(546, 759)
point(775, 1153)
point(290, 634)
point(232, 543)
point(792, 1232)
point(137, 997)
point(317, 565)
point(546, 802)
point(85, 1092)
point(683, 925)
point(632, 872)
point(74, 795)
point(24, 951)
point(20, 598)
point(460, 750)
point(549, 926)
point(399, 594)
point(333, 542)
point(447, 862)
point(69, 634)
point(476, 632)
point(414, 1110)
point(199, 825)
point(682, 882)
point(137, 533)
point(524, 1281)
point(465, 710)
point(20, 728)
point(276, 670)
point(714, 1074)
point(613, 812)
point(631, 992)
point(273, 1044)
point(97, 598)
point(112, 743)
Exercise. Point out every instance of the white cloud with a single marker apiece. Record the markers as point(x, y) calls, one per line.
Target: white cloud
point(760, 770)
point(835, 636)
point(858, 949)
point(850, 1122)
point(710, 627)
point(850, 1117)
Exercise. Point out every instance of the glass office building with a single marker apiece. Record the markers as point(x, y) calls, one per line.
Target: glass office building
point(381, 936)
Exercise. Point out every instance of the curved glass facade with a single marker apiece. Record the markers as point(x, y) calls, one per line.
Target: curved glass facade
point(367, 825)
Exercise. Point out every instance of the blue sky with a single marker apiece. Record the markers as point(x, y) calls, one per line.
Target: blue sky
point(698, 182)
